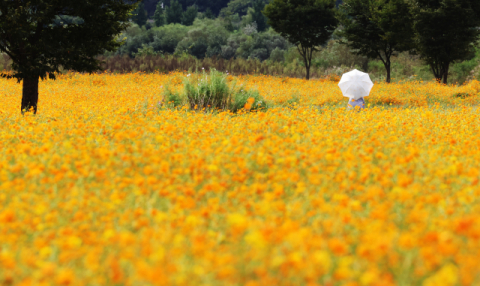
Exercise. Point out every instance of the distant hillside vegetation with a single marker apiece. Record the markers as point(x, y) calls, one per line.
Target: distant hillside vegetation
point(214, 5)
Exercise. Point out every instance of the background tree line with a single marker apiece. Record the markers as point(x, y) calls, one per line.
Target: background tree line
point(173, 30)
point(438, 35)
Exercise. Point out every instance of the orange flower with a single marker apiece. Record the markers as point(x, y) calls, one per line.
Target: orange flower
point(249, 103)
point(105, 186)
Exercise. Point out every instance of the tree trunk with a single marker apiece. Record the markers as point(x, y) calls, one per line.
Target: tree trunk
point(30, 95)
point(437, 73)
point(445, 73)
point(306, 54)
point(307, 65)
point(389, 70)
point(386, 62)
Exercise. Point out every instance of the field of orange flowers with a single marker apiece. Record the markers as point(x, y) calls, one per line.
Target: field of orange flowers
point(103, 187)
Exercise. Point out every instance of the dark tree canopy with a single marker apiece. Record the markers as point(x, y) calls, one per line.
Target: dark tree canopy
point(202, 5)
point(240, 7)
point(209, 14)
point(159, 15)
point(173, 13)
point(140, 16)
point(151, 6)
point(38, 47)
point(189, 15)
point(377, 28)
point(305, 23)
point(257, 15)
point(236, 6)
point(445, 32)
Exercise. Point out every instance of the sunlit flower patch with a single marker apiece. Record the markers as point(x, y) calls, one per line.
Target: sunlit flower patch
point(105, 187)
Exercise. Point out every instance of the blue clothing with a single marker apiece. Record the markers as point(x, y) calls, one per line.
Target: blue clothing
point(359, 103)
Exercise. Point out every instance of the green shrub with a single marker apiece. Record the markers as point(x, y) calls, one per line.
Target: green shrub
point(212, 91)
point(208, 91)
point(460, 71)
point(172, 99)
point(241, 97)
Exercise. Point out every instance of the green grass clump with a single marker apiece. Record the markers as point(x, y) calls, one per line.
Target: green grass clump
point(241, 98)
point(213, 91)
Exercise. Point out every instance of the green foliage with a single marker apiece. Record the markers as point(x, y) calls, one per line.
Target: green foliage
point(305, 23)
point(172, 99)
point(146, 51)
point(277, 55)
point(205, 39)
point(213, 92)
point(461, 71)
point(209, 14)
point(162, 39)
point(377, 28)
point(241, 98)
point(61, 20)
point(232, 22)
point(134, 37)
point(334, 54)
point(258, 45)
point(38, 47)
point(166, 38)
point(189, 15)
point(159, 15)
point(214, 5)
point(257, 15)
point(173, 13)
point(139, 15)
point(236, 7)
point(208, 91)
point(308, 23)
point(445, 32)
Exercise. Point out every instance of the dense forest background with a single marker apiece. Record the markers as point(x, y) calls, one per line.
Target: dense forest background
point(184, 34)
point(214, 5)
point(233, 36)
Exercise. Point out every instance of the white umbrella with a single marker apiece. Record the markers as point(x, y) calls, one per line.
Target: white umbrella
point(355, 84)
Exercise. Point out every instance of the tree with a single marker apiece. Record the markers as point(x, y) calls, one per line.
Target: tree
point(445, 32)
point(213, 5)
point(236, 6)
point(140, 15)
point(38, 47)
point(209, 14)
point(189, 16)
point(151, 6)
point(257, 15)
point(202, 5)
point(377, 28)
point(173, 13)
point(159, 16)
point(305, 23)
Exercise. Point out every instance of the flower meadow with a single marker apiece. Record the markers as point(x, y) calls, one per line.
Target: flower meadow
point(106, 187)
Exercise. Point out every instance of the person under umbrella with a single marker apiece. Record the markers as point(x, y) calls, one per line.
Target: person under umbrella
point(359, 103)
point(355, 85)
